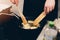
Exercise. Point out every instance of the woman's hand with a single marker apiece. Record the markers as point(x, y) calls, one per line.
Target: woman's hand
point(14, 1)
point(49, 5)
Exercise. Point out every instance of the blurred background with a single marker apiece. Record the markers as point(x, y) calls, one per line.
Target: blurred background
point(58, 8)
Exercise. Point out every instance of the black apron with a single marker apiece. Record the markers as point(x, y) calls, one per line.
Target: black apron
point(32, 8)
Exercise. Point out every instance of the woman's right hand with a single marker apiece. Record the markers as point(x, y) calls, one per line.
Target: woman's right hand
point(14, 2)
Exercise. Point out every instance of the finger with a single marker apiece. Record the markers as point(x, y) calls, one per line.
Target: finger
point(45, 9)
point(12, 1)
point(48, 9)
point(53, 8)
point(16, 1)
